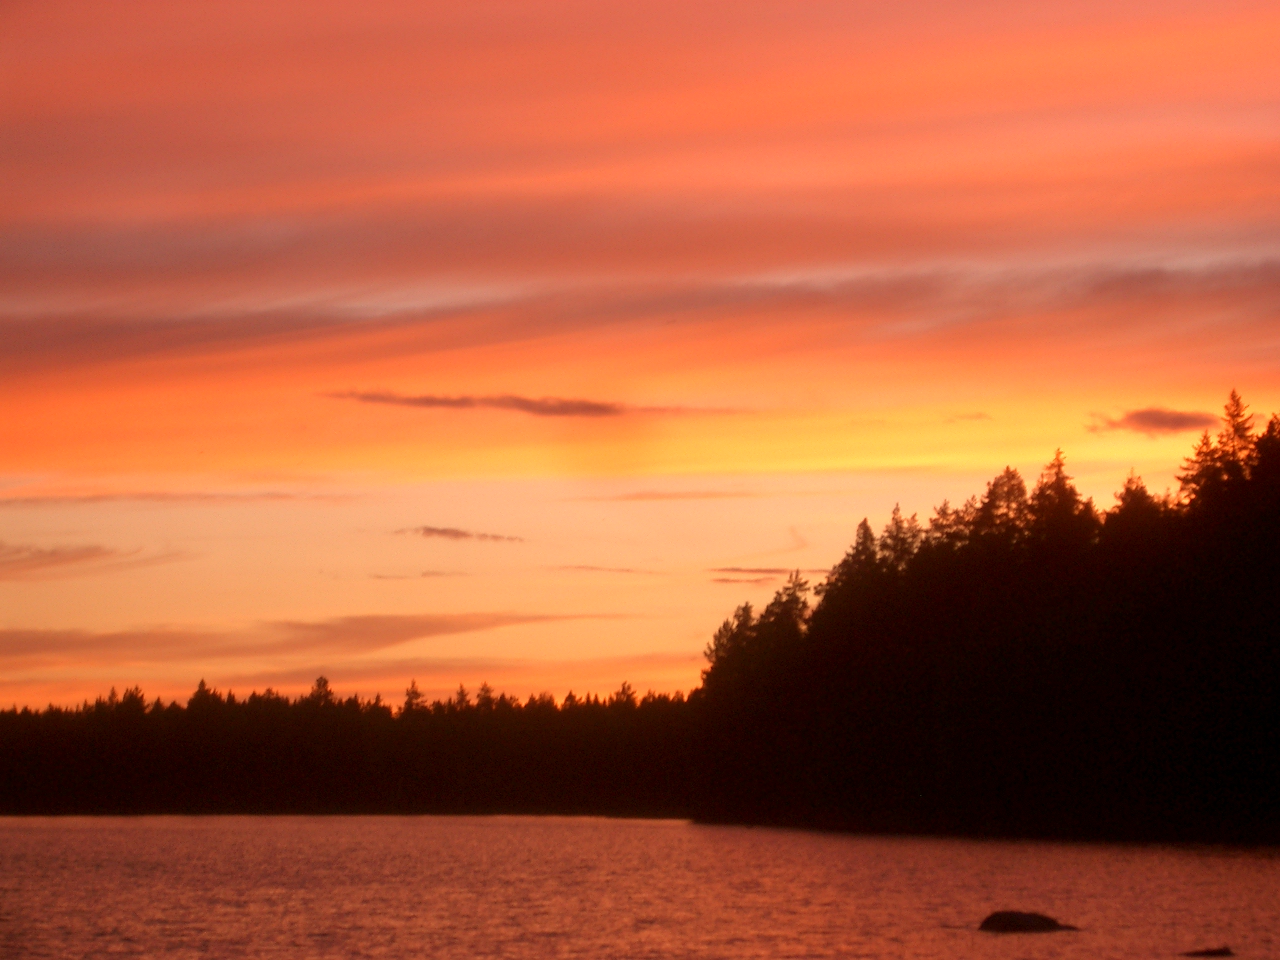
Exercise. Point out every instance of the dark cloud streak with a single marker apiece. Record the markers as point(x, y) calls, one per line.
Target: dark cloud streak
point(1154, 421)
point(536, 406)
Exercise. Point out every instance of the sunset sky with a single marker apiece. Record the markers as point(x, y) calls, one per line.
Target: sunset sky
point(522, 341)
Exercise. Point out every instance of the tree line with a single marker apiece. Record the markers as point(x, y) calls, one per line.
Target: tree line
point(1022, 664)
point(319, 753)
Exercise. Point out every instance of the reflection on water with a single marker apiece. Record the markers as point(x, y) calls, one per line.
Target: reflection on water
point(546, 887)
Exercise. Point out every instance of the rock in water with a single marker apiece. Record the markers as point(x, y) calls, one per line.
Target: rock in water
point(1015, 921)
point(1215, 952)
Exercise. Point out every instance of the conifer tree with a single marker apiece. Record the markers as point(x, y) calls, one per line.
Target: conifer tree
point(1057, 512)
point(900, 540)
point(1236, 440)
point(1002, 513)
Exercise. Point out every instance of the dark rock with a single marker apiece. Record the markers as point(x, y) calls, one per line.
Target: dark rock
point(1215, 952)
point(1015, 921)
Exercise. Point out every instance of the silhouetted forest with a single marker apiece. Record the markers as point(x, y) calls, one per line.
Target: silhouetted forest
point(1022, 664)
point(266, 753)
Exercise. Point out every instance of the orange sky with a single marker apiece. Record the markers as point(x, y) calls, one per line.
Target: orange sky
point(661, 299)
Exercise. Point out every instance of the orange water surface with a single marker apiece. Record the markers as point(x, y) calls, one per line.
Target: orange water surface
point(579, 887)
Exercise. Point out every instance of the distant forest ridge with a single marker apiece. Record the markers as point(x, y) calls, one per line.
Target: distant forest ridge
point(1022, 664)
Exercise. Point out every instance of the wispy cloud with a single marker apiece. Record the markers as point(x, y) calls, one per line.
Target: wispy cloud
point(338, 636)
point(967, 417)
point(923, 298)
point(1154, 421)
point(454, 533)
point(21, 648)
point(754, 581)
point(378, 631)
point(22, 562)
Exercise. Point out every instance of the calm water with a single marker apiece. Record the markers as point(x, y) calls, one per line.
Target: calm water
point(524, 888)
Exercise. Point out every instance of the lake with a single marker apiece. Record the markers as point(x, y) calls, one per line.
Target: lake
point(523, 887)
